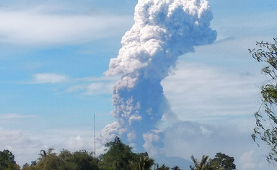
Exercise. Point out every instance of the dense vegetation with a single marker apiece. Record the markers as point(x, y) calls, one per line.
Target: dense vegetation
point(119, 156)
point(7, 161)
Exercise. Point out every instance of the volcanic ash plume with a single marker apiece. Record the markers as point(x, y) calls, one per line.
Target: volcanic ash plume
point(163, 30)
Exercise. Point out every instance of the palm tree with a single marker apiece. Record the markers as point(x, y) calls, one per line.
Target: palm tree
point(43, 154)
point(176, 168)
point(144, 163)
point(204, 164)
point(163, 167)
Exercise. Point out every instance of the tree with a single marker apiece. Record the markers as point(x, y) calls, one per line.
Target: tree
point(204, 164)
point(142, 163)
point(118, 156)
point(266, 118)
point(7, 161)
point(176, 168)
point(163, 167)
point(83, 160)
point(80, 160)
point(49, 160)
point(28, 167)
point(223, 162)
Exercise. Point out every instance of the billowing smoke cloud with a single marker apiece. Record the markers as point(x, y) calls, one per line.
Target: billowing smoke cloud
point(163, 30)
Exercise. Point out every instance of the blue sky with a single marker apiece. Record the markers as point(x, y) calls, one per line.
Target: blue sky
point(53, 56)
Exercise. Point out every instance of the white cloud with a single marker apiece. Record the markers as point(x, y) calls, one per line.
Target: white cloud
point(198, 92)
point(22, 145)
point(26, 146)
point(247, 161)
point(76, 143)
point(37, 27)
point(252, 160)
point(92, 88)
point(49, 78)
point(96, 85)
point(96, 88)
point(76, 88)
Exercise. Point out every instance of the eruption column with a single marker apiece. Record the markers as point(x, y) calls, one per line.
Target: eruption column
point(163, 30)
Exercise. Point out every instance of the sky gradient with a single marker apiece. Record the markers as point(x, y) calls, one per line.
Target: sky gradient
point(52, 63)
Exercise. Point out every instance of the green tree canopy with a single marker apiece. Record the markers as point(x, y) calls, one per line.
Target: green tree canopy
point(83, 160)
point(7, 161)
point(142, 163)
point(80, 160)
point(266, 120)
point(223, 162)
point(118, 156)
point(220, 162)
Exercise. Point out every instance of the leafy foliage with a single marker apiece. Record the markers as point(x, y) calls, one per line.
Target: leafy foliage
point(118, 156)
point(266, 120)
point(220, 162)
point(7, 161)
point(80, 160)
point(142, 163)
point(223, 162)
point(204, 164)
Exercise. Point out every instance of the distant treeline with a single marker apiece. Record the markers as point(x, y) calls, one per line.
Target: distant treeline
point(119, 156)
